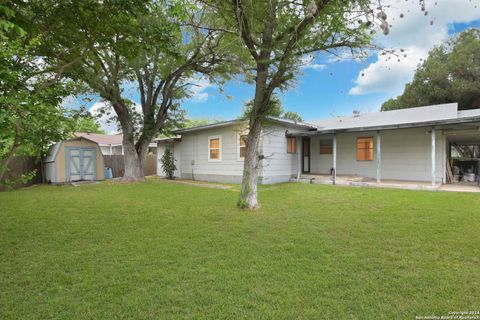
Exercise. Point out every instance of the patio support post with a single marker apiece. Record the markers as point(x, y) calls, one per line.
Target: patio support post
point(298, 140)
point(334, 158)
point(379, 158)
point(433, 157)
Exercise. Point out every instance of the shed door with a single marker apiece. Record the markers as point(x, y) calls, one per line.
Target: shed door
point(88, 164)
point(81, 164)
point(75, 165)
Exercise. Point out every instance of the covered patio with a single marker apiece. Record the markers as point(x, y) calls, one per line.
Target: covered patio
point(395, 149)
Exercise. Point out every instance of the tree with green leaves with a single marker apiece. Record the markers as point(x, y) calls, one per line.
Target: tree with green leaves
point(275, 110)
point(88, 124)
point(292, 115)
point(31, 118)
point(451, 73)
point(153, 47)
point(197, 122)
point(168, 163)
point(273, 36)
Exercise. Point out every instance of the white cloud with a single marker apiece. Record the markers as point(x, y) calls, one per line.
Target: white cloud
point(308, 62)
point(388, 75)
point(415, 34)
point(198, 87)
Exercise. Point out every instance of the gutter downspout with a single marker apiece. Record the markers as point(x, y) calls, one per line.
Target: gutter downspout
point(299, 157)
point(334, 178)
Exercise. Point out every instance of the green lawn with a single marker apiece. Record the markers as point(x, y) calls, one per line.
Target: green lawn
point(162, 250)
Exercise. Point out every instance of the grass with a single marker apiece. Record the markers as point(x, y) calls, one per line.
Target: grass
point(159, 250)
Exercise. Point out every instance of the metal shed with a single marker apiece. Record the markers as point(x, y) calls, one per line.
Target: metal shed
point(77, 159)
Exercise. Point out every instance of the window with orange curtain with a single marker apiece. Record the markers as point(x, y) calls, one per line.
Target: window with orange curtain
point(242, 146)
point(291, 145)
point(365, 149)
point(214, 149)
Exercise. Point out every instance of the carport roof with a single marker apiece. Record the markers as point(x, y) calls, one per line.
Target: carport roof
point(403, 118)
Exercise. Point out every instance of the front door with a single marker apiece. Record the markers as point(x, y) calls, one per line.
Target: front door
point(306, 154)
point(81, 164)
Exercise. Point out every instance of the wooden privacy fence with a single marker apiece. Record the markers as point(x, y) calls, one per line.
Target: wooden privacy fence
point(116, 162)
point(22, 165)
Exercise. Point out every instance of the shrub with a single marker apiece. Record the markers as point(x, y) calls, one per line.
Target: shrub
point(168, 163)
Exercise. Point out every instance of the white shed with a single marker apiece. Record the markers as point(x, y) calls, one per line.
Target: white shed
point(77, 159)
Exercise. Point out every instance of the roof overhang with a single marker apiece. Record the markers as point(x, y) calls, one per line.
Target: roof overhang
point(209, 126)
point(168, 140)
point(321, 131)
point(285, 122)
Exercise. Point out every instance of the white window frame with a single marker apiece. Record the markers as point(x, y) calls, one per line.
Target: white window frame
point(238, 146)
point(219, 150)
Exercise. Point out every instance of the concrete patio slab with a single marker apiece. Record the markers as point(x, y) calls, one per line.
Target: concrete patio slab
point(359, 181)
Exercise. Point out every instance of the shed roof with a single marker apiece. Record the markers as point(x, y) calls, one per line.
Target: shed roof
point(105, 139)
point(102, 139)
point(53, 151)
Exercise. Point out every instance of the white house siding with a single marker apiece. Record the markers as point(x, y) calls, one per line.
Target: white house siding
point(192, 156)
point(320, 163)
point(105, 150)
point(278, 165)
point(405, 155)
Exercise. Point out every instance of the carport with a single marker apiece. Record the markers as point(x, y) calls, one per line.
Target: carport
point(463, 156)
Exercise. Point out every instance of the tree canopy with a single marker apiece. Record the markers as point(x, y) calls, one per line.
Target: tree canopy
point(271, 37)
point(31, 115)
point(152, 47)
point(451, 73)
point(87, 124)
point(276, 109)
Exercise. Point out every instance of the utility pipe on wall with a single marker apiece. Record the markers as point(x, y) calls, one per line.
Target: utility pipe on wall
point(334, 158)
point(433, 157)
point(379, 158)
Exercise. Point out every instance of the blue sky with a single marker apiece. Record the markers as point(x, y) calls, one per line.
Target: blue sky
point(328, 88)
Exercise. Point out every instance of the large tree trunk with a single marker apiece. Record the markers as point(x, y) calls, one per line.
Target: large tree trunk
point(248, 196)
point(133, 161)
point(133, 164)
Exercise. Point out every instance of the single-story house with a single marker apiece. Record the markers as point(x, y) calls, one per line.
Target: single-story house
point(416, 144)
point(74, 160)
point(111, 144)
